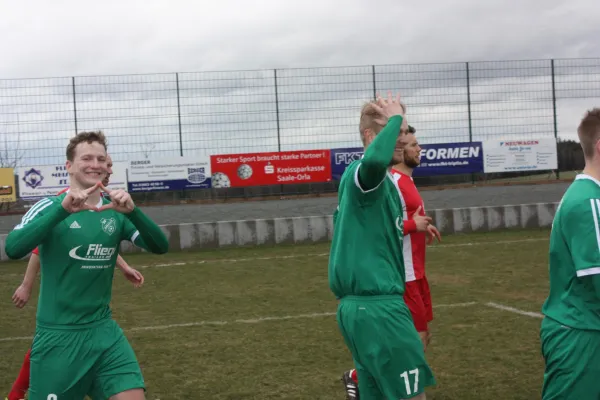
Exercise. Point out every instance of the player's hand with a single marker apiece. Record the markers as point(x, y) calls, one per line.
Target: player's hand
point(76, 199)
point(120, 200)
point(388, 108)
point(433, 233)
point(134, 276)
point(422, 221)
point(21, 296)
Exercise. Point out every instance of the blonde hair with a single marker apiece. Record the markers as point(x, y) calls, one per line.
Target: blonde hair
point(589, 132)
point(368, 115)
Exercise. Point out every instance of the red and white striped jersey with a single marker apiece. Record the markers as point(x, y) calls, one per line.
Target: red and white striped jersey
point(414, 242)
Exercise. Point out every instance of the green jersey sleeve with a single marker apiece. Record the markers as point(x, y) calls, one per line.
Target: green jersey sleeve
point(140, 230)
point(581, 227)
point(34, 227)
point(374, 165)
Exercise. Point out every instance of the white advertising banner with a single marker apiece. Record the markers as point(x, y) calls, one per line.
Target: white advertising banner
point(519, 155)
point(169, 173)
point(47, 180)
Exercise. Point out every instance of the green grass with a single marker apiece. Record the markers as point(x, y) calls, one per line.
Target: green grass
point(477, 352)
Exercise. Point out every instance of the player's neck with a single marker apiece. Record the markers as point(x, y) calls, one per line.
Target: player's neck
point(592, 169)
point(406, 170)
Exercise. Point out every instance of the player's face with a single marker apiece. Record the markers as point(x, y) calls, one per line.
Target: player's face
point(89, 164)
point(412, 151)
point(109, 171)
point(399, 152)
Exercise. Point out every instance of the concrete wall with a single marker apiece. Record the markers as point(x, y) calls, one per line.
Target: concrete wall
point(317, 229)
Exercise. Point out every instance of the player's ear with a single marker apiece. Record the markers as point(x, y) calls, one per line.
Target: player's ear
point(369, 136)
point(68, 166)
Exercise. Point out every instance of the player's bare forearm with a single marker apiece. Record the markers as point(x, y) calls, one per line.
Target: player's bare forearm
point(32, 231)
point(121, 263)
point(33, 268)
point(379, 153)
point(151, 238)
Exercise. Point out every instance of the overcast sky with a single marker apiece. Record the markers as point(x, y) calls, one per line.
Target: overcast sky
point(84, 38)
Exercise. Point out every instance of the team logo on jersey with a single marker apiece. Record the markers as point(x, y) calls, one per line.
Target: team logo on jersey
point(94, 252)
point(109, 225)
point(399, 223)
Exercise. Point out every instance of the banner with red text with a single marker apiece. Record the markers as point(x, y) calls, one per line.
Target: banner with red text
point(259, 169)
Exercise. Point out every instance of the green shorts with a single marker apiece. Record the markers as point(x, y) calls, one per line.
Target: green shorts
point(572, 362)
point(95, 360)
point(387, 350)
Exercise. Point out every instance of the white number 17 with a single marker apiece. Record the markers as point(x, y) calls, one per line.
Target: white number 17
point(404, 375)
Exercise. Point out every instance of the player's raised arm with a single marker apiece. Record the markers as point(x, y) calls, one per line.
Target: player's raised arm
point(379, 152)
point(35, 225)
point(147, 234)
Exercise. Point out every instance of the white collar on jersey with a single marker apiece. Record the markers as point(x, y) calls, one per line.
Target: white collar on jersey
point(100, 203)
point(586, 176)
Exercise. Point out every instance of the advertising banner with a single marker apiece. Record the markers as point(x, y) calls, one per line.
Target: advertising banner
point(172, 173)
point(436, 159)
point(47, 180)
point(520, 155)
point(450, 159)
point(258, 169)
point(341, 158)
point(7, 185)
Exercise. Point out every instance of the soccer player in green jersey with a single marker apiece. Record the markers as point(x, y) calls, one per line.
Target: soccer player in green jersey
point(570, 330)
point(366, 266)
point(78, 349)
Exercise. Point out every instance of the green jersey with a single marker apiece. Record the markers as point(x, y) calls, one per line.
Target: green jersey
point(366, 250)
point(78, 253)
point(574, 270)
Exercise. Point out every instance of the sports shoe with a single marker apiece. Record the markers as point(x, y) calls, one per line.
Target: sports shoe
point(350, 387)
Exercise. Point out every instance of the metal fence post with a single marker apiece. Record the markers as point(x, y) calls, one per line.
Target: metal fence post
point(179, 115)
point(74, 104)
point(374, 83)
point(554, 113)
point(277, 110)
point(469, 112)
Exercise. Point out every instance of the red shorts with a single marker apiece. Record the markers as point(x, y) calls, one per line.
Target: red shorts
point(418, 299)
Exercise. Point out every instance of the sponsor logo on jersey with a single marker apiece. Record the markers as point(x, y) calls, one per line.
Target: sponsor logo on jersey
point(94, 252)
point(109, 225)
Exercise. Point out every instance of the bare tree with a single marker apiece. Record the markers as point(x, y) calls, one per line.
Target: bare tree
point(147, 147)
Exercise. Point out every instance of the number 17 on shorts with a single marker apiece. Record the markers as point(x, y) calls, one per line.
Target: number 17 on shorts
point(411, 376)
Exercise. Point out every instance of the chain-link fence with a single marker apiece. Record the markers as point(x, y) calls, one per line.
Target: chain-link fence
point(204, 113)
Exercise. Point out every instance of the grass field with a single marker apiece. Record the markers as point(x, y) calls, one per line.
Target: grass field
point(258, 323)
